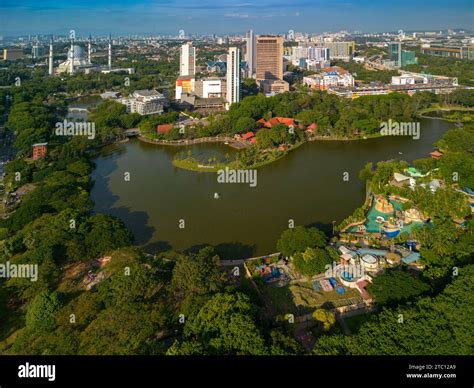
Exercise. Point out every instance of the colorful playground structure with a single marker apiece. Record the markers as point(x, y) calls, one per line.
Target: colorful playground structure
point(387, 218)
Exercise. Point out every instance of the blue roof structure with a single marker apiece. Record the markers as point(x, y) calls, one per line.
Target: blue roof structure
point(411, 258)
point(373, 252)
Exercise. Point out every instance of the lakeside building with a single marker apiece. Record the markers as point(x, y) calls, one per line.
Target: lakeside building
point(329, 77)
point(204, 95)
point(233, 76)
point(145, 102)
point(187, 60)
point(459, 52)
point(204, 105)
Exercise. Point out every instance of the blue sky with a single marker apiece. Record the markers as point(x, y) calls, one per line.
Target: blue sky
point(229, 16)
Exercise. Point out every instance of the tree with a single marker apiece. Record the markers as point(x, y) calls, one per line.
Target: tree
point(440, 325)
point(312, 261)
point(299, 238)
point(40, 315)
point(244, 124)
point(224, 325)
point(397, 286)
point(327, 318)
point(119, 330)
point(264, 138)
point(198, 274)
point(103, 234)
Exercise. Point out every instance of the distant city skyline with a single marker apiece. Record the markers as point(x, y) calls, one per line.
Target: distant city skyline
point(167, 17)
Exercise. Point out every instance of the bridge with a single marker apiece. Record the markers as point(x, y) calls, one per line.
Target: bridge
point(77, 110)
point(132, 132)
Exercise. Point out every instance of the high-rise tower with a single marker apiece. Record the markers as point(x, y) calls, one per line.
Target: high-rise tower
point(233, 76)
point(187, 60)
point(251, 53)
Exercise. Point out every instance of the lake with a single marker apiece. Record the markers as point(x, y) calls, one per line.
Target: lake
point(306, 186)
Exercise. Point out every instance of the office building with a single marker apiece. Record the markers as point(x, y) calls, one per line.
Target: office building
point(187, 60)
point(269, 64)
point(233, 76)
point(397, 57)
point(211, 87)
point(251, 53)
point(184, 85)
point(12, 54)
point(37, 51)
point(460, 52)
point(339, 50)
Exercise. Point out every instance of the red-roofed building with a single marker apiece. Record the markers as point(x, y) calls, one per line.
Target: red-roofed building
point(39, 150)
point(436, 154)
point(253, 140)
point(262, 122)
point(312, 128)
point(277, 120)
point(164, 128)
point(248, 135)
point(361, 286)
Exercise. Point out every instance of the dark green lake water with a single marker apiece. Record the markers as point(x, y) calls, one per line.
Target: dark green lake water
point(306, 186)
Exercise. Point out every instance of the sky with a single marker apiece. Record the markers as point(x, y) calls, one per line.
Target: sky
point(167, 17)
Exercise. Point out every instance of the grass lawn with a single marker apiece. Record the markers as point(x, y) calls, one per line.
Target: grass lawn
point(306, 297)
point(279, 298)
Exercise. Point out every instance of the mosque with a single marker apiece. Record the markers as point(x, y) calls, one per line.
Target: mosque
point(78, 62)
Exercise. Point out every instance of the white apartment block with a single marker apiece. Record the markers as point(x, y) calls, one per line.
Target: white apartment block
point(233, 76)
point(187, 60)
point(145, 102)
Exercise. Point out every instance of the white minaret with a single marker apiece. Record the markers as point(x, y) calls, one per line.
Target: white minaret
point(110, 52)
point(71, 63)
point(89, 50)
point(50, 71)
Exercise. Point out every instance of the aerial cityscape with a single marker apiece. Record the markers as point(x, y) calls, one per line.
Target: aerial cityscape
point(272, 179)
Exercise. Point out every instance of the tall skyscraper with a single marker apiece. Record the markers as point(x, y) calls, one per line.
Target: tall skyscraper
point(269, 64)
point(187, 60)
point(251, 53)
point(395, 53)
point(233, 76)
